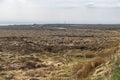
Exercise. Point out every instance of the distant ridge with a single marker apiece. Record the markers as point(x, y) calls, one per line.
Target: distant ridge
point(61, 26)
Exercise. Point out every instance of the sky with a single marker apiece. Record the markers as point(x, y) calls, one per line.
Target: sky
point(60, 11)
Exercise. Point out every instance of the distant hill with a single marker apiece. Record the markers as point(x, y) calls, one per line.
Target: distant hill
point(60, 26)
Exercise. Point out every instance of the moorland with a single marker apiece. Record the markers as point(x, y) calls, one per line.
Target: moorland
point(60, 52)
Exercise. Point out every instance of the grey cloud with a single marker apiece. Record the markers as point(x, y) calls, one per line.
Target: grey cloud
point(59, 10)
point(103, 4)
point(90, 5)
point(1, 1)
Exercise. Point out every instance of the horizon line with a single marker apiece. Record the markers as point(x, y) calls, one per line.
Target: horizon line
point(60, 24)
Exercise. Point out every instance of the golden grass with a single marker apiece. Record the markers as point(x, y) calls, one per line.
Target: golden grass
point(84, 70)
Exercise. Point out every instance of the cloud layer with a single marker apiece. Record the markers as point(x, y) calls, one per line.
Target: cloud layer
point(60, 11)
point(104, 4)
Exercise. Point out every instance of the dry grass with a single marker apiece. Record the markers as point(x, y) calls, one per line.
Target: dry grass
point(54, 55)
point(84, 70)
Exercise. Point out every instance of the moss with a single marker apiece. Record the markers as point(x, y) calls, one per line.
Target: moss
point(116, 75)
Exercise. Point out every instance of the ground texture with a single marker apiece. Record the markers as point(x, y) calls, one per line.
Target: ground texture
point(72, 54)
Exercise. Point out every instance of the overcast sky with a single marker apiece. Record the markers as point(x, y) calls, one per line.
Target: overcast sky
point(59, 11)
